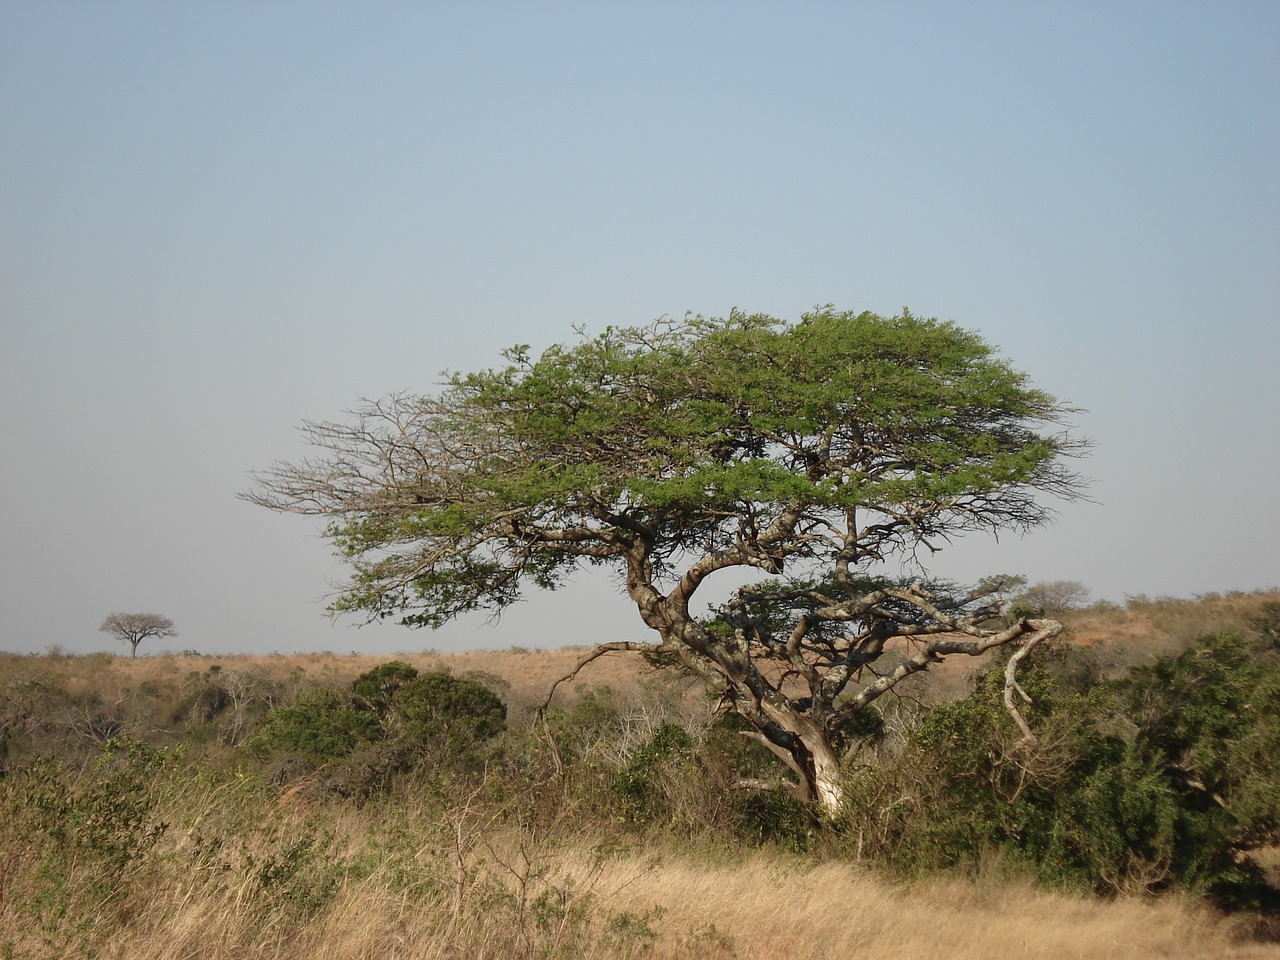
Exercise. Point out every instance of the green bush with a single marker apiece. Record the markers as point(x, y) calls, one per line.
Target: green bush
point(82, 841)
point(642, 786)
point(391, 720)
point(1209, 721)
point(302, 875)
point(1163, 778)
point(320, 727)
point(446, 718)
point(377, 686)
point(594, 717)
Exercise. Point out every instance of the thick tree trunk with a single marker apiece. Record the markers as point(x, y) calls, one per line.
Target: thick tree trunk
point(810, 757)
point(828, 793)
point(816, 769)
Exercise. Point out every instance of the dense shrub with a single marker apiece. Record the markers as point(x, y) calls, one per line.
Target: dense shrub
point(1076, 805)
point(80, 840)
point(1267, 624)
point(1209, 720)
point(377, 686)
point(446, 717)
point(321, 726)
point(391, 720)
point(642, 786)
point(653, 766)
point(1164, 778)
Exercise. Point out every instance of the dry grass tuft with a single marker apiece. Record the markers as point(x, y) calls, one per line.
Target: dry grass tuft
point(767, 906)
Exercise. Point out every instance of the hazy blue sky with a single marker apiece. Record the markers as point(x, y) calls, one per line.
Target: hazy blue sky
point(221, 218)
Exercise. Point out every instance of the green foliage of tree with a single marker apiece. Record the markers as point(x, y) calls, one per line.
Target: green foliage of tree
point(808, 453)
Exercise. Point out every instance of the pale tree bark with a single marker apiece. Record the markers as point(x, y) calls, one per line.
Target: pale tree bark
point(801, 731)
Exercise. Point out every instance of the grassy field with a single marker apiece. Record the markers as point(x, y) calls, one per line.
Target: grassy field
point(417, 881)
point(154, 836)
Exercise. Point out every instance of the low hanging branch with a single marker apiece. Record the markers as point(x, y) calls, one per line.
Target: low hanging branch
point(1044, 630)
point(595, 654)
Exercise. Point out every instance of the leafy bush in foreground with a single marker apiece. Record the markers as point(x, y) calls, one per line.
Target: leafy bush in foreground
point(82, 842)
point(322, 726)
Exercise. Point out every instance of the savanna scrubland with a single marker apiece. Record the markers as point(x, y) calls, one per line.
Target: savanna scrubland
point(328, 806)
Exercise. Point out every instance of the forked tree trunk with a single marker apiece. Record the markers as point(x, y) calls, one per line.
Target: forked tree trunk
point(811, 758)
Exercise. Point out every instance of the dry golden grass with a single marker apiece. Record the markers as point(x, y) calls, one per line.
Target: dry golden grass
point(527, 674)
point(807, 912)
point(417, 880)
point(764, 906)
point(1167, 624)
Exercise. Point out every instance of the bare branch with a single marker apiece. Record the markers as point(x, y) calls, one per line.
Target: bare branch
point(1044, 629)
point(594, 654)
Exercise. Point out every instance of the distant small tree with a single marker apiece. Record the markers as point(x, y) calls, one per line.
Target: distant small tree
point(1054, 596)
point(133, 628)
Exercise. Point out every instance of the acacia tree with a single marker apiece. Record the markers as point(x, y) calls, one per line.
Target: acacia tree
point(1054, 596)
point(815, 454)
point(133, 628)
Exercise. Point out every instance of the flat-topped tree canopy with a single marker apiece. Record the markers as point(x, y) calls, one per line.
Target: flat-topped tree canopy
point(810, 451)
point(133, 628)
